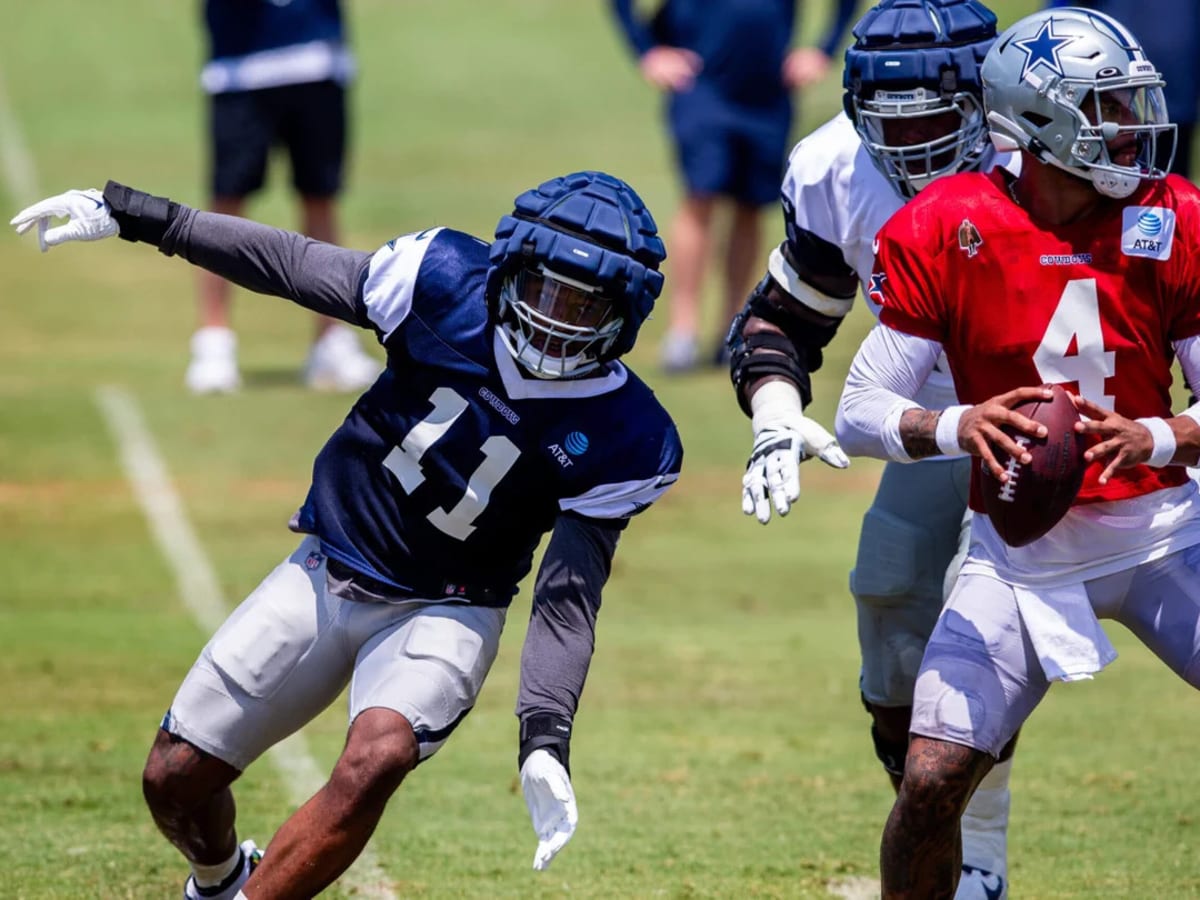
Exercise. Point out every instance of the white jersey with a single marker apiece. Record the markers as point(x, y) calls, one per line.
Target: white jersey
point(839, 195)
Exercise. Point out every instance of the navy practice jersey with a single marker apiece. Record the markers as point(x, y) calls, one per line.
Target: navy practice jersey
point(447, 472)
point(257, 44)
point(743, 44)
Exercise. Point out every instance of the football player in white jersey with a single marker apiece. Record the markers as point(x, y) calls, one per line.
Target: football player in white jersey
point(913, 113)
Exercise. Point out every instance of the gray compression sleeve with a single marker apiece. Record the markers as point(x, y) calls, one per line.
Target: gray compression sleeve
point(322, 277)
point(562, 624)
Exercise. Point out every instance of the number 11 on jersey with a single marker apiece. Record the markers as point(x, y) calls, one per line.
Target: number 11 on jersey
point(499, 455)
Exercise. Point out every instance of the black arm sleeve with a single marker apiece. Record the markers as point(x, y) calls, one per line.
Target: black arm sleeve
point(562, 624)
point(322, 277)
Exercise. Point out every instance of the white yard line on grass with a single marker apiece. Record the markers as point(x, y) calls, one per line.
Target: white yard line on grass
point(201, 593)
point(16, 163)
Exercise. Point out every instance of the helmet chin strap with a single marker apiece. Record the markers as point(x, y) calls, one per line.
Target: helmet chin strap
point(1007, 137)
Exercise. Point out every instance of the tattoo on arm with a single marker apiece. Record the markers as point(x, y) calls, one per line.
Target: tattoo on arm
point(918, 431)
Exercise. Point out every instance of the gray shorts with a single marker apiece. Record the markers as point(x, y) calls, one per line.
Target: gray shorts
point(909, 538)
point(981, 678)
point(288, 651)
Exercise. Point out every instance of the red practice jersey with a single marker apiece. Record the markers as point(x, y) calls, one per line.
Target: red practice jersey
point(1093, 305)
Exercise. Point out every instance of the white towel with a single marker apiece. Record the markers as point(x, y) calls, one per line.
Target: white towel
point(1066, 635)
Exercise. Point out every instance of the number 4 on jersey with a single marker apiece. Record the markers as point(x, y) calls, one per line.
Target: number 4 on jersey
point(1076, 320)
point(499, 454)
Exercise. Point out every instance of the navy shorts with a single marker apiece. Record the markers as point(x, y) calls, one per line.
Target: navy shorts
point(730, 151)
point(309, 120)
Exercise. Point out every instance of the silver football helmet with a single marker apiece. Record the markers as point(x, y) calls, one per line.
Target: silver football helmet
point(1074, 88)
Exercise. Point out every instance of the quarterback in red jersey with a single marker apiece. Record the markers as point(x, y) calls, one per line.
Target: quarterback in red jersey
point(1083, 271)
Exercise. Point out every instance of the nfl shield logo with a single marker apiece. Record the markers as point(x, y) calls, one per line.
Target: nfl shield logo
point(313, 561)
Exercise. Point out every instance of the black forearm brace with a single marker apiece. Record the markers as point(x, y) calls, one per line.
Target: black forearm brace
point(793, 355)
point(140, 216)
point(542, 731)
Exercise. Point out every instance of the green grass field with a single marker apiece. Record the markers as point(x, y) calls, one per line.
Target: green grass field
point(720, 750)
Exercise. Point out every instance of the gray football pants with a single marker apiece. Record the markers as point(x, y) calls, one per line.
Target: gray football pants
point(909, 538)
point(981, 678)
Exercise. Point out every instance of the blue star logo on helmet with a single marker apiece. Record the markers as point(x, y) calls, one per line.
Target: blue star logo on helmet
point(576, 443)
point(1042, 49)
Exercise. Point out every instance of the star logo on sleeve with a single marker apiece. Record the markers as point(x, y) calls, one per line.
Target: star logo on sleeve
point(1042, 49)
point(875, 287)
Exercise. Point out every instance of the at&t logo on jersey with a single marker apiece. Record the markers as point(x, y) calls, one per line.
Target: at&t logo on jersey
point(574, 444)
point(1147, 231)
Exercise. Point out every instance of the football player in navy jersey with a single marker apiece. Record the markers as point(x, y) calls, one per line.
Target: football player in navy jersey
point(504, 413)
point(913, 113)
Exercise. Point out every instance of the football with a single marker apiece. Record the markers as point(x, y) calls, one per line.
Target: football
point(1037, 495)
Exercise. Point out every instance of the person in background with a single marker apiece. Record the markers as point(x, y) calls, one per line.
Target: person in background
point(1169, 31)
point(504, 413)
point(913, 113)
point(728, 74)
point(276, 76)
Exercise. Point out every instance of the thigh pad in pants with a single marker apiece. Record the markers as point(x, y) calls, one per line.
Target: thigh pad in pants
point(980, 678)
point(428, 665)
point(908, 538)
point(280, 659)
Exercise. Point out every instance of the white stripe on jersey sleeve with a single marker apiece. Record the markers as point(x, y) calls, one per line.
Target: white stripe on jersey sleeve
point(621, 500)
point(803, 293)
point(392, 278)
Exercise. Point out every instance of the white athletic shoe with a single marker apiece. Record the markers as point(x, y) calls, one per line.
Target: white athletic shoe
point(679, 353)
point(213, 369)
point(337, 362)
point(985, 838)
point(227, 889)
point(979, 884)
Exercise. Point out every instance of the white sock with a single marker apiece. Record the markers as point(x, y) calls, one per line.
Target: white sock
point(985, 822)
point(209, 876)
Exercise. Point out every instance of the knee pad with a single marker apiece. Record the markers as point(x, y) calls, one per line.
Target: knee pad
point(889, 752)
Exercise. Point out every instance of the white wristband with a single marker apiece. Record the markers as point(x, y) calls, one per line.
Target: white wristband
point(1164, 441)
point(889, 432)
point(947, 431)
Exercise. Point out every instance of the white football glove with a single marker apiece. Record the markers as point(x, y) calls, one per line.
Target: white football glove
point(551, 801)
point(783, 438)
point(89, 215)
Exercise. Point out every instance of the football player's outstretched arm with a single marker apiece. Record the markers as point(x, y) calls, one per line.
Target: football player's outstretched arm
point(554, 665)
point(318, 276)
point(775, 343)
